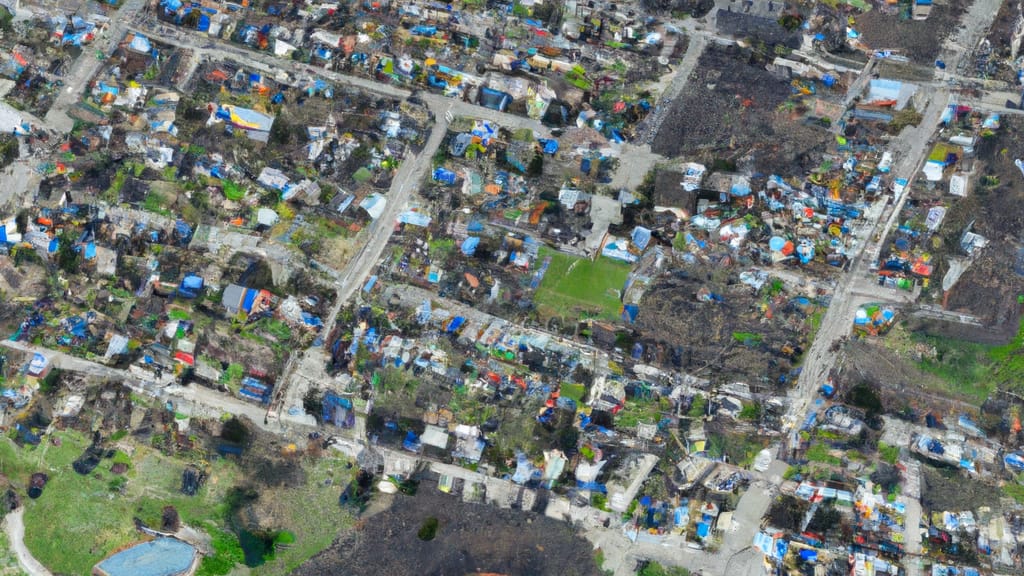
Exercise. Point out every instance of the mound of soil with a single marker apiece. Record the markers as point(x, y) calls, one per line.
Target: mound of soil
point(470, 538)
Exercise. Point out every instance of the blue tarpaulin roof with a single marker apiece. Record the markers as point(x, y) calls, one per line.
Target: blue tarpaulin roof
point(456, 322)
point(446, 176)
point(469, 245)
point(809, 555)
point(192, 282)
point(641, 237)
point(550, 146)
point(703, 529)
point(250, 298)
point(414, 218)
point(90, 250)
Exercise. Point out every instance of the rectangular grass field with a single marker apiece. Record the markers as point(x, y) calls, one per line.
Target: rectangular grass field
point(574, 286)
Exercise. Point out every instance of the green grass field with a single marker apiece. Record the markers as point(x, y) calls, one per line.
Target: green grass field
point(79, 520)
point(591, 288)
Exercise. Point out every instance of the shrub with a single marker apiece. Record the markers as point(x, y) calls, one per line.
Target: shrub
point(428, 530)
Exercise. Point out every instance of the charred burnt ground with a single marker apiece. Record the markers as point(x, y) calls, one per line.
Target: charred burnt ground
point(470, 538)
point(733, 109)
point(988, 289)
point(919, 40)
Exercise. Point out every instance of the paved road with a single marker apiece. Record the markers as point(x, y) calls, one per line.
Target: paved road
point(14, 526)
point(87, 65)
point(310, 364)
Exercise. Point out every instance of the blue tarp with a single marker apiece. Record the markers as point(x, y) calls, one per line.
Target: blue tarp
point(641, 237)
point(809, 555)
point(446, 176)
point(250, 298)
point(703, 529)
point(369, 283)
point(90, 250)
point(192, 282)
point(1014, 460)
point(414, 218)
point(411, 442)
point(455, 324)
point(550, 146)
point(469, 245)
point(494, 99)
point(338, 411)
point(630, 312)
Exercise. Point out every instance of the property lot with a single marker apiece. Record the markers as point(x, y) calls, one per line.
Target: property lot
point(733, 109)
point(580, 286)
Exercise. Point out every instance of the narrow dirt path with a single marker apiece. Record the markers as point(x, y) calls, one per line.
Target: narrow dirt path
point(14, 526)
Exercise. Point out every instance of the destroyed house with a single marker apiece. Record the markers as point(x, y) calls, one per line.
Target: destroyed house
point(670, 193)
point(248, 300)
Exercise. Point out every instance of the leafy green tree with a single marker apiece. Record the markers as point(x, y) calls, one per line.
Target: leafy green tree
point(68, 259)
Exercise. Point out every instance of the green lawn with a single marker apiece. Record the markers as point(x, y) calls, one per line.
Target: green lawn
point(592, 286)
point(972, 371)
point(78, 520)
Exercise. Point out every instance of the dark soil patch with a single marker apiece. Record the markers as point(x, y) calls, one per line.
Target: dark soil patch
point(901, 386)
point(952, 490)
point(470, 538)
point(988, 289)
point(919, 40)
point(730, 109)
point(726, 340)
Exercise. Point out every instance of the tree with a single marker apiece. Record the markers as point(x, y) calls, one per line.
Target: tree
point(191, 20)
point(281, 132)
point(5, 18)
point(8, 149)
point(313, 402)
point(68, 256)
point(536, 167)
point(21, 221)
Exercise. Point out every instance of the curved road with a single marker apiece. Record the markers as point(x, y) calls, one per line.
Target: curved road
point(14, 526)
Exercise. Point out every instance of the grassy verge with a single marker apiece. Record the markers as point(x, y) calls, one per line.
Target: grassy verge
point(95, 518)
point(973, 371)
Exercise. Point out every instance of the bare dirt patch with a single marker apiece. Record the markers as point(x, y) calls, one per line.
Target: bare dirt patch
point(732, 108)
point(919, 40)
point(988, 289)
point(949, 490)
point(470, 538)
